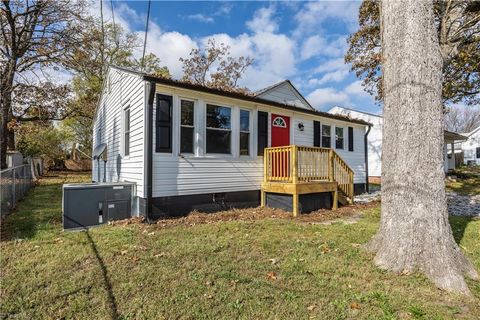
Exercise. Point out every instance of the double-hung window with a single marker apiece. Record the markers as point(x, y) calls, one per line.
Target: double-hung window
point(187, 127)
point(478, 153)
point(326, 136)
point(126, 131)
point(244, 132)
point(218, 129)
point(338, 138)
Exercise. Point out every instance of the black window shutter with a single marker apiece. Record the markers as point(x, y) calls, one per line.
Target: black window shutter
point(262, 132)
point(316, 133)
point(350, 139)
point(163, 132)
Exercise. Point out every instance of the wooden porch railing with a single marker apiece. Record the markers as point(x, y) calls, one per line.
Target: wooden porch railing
point(294, 164)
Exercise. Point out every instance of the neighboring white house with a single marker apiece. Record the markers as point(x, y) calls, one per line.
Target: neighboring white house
point(207, 144)
point(471, 147)
point(375, 140)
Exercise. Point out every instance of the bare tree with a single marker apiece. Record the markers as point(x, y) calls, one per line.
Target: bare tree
point(462, 119)
point(414, 232)
point(214, 67)
point(34, 34)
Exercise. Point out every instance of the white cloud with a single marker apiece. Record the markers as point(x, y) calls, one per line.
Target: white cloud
point(356, 88)
point(318, 45)
point(332, 65)
point(314, 14)
point(334, 76)
point(169, 47)
point(263, 21)
point(274, 56)
point(200, 18)
point(327, 97)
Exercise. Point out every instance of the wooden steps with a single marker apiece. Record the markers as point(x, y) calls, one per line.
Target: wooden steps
point(296, 170)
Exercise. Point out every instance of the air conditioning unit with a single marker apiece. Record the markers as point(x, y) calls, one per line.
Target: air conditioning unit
point(90, 204)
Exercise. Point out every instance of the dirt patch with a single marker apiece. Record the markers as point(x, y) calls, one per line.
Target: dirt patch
point(348, 214)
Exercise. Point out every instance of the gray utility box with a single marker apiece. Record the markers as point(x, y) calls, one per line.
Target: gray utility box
point(90, 204)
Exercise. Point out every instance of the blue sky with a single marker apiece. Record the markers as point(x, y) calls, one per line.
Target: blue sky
point(301, 41)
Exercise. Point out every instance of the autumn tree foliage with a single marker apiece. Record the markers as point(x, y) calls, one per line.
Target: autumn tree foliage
point(457, 24)
point(214, 67)
point(34, 35)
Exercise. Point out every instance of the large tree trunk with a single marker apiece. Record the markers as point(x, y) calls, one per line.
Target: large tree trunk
point(414, 231)
point(6, 86)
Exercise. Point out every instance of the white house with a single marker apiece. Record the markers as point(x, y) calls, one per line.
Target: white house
point(375, 140)
point(207, 145)
point(471, 147)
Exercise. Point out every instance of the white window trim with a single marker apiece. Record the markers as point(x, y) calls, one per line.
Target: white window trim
point(232, 131)
point(195, 126)
point(126, 106)
point(250, 138)
point(321, 134)
point(335, 136)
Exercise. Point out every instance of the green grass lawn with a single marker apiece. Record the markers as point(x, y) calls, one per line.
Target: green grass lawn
point(467, 181)
point(268, 268)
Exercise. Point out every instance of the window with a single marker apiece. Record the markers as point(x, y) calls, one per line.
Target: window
point(244, 132)
point(326, 137)
point(350, 139)
point(187, 128)
point(126, 131)
point(219, 129)
point(478, 153)
point(279, 122)
point(338, 138)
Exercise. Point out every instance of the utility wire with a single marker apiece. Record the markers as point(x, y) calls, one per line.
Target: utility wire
point(146, 33)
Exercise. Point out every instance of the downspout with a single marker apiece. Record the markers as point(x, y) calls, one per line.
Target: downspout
point(367, 187)
point(149, 151)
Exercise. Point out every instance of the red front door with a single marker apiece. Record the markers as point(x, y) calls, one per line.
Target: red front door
point(280, 130)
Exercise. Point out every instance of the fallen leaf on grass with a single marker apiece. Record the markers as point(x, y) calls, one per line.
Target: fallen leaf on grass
point(311, 307)
point(273, 261)
point(355, 305)
point(123, 252)
point(208, 296)
point(159, 255)
point(151, 233)
point(135, 258)
point(271, 276)
point(58, 240)
point(356, 245)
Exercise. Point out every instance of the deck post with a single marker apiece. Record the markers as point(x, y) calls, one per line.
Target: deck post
point(262, 198)
point(294, 164)
point(295, 204)
point(265, 165)
point(331, 176)
point(335, 199)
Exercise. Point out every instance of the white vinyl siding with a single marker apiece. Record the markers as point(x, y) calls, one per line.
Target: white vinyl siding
point(202, 173)
point(122, 89)
point(284, 93)
point(355, 159)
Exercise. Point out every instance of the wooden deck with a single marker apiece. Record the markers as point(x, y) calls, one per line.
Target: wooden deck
point(296, 170)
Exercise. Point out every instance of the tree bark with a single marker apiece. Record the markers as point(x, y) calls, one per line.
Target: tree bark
point(6, 86)
point(414, 232)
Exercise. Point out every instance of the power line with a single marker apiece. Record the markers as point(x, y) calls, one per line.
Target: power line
point(146, 33)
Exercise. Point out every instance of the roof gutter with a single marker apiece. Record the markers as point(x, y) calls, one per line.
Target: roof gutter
point(367, 186)
point(149, 152)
